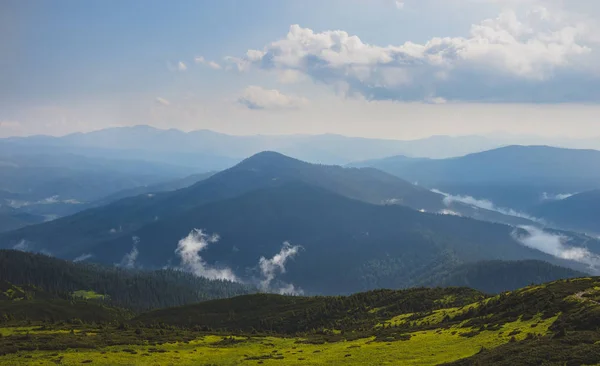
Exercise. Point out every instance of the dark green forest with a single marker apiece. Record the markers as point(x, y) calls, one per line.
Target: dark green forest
point(136, 290)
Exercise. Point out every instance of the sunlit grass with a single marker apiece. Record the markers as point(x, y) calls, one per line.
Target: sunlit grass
point(424, 348)
point(88, 295)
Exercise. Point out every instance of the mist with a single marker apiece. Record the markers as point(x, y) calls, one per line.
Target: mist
point(82, 258)
point(555, 245)
point(188, 250)
point(274, 266)
point(483, 203)
point(556, 197)
point(130, 258)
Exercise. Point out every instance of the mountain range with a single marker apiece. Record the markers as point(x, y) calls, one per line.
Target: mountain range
point(347, 229)
point(579, 212)
point(515, 177)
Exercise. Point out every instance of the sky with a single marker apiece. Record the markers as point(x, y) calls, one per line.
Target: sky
point(373, 68)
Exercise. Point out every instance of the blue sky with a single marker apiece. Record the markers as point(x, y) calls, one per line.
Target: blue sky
point(377, 68)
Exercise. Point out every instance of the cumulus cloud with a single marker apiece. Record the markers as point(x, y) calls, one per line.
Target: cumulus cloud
point(513, 57)
point(255, 97)
point(554, 245)
point(272, 267)
point(129, 259)
point(181, 66)
point(82, 257)
point(189, 248)
point(482, 203)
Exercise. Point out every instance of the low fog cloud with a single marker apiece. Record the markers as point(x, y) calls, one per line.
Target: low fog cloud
point(82, 257)
point(129, 259)
point(555, 245)
point(26, 246)
point(270, 268)
point(189, 252)
point(22, 245)
point(556, 196)
point(483, 203)
point(189, 248)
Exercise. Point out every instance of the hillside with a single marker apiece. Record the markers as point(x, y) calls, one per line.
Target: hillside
point(346, 245)
point(168, 186)
point(554, 324)
point(132, 289)
point(92, 226)
point(494, 277)
point(513, 176)
point(12, 219)
point(579, 212)
point(28, 303)
point(87, 229)
point(56, 184)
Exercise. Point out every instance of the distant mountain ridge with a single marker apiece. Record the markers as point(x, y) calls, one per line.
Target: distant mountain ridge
point(514, 176)
point(145, 142)
point(578, 212)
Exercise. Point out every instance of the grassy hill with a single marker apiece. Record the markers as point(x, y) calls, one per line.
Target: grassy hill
point(553, 324)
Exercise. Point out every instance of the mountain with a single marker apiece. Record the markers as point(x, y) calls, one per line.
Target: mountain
point(211, 150)
point(578, 212)
point(12, 219)
point(499, 276)
point(514, 176)
point(55, 184)
point(135, 290)
point(84, 230)
point(168, 186)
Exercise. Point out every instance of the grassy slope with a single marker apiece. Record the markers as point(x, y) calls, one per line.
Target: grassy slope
point(554, 322)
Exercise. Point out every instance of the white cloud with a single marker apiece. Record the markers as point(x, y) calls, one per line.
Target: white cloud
point(22, 246)
point(129, 259)
point(482, 203)
point(555, 245)
point(213, 65)
point(162, 101)
point(181, 66)
point(555, 197)
point(255, 97)
point(400, 4)
point(82, 258)
point(189, 248)
point(513, 57)
point(270, 268)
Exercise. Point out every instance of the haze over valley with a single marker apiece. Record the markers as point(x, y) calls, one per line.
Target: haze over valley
point(299, 182)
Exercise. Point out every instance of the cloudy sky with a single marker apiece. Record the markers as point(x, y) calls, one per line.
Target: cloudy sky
point(374, 68)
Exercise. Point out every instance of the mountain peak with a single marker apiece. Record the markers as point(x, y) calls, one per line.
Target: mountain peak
point(269, 159)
